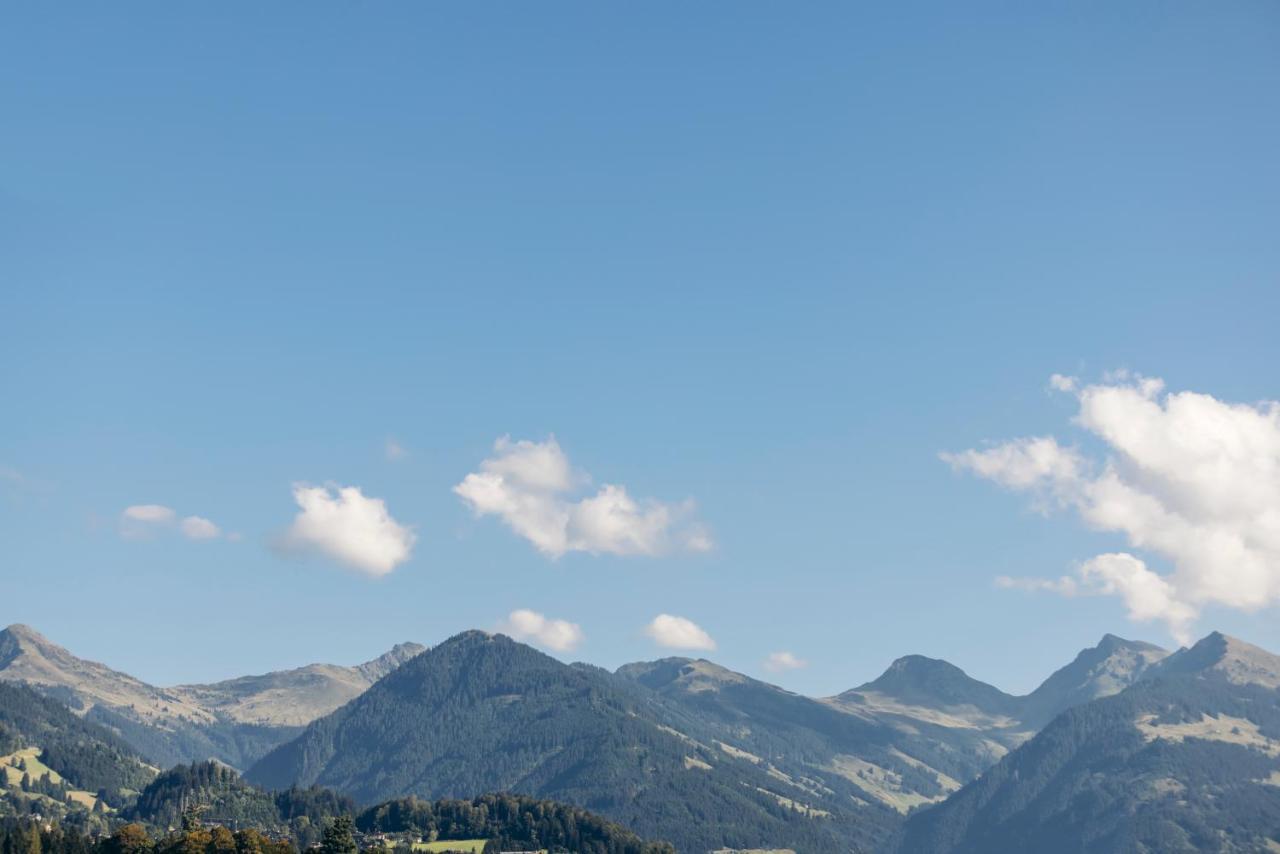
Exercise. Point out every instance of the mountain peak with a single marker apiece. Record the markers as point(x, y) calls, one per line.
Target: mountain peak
point(693, 675)
point(1099, 671)
point(920, 680)
point(376, 668)
point(22, 630)
point(1240, 662)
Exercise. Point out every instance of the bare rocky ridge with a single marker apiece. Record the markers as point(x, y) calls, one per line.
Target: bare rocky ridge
point(294, 697)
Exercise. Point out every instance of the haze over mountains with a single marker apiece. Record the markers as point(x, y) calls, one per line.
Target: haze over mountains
point(689, 751)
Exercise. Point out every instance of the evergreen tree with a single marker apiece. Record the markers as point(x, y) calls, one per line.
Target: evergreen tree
point(338, 838)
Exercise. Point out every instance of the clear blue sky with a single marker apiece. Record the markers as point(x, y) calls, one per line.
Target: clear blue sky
point(771, 257)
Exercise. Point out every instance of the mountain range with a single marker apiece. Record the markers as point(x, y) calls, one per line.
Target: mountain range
point(1185, 759)
point(923, 758)
point(235, 721)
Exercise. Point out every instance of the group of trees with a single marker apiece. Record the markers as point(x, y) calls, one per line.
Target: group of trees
point(225, 798)
point(510, 822)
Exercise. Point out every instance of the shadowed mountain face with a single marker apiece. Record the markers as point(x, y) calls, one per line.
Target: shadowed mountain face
point(234, 721)
point(484, 713)
point(1185, 759)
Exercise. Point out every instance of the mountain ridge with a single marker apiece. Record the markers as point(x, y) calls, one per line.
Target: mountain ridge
point(233, 721)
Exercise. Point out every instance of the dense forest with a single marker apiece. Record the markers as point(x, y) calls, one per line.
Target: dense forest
point(483, 713)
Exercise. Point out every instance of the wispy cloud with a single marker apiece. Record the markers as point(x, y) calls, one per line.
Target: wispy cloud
point(531, 487)
point(393, 450)
point(142, 521)
point(1185, 477)
point(199, 528)
point(151, 514)
point(780, 662)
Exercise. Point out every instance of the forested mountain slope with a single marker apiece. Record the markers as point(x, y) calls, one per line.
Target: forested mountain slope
point(484, 713)
point(1186, 759)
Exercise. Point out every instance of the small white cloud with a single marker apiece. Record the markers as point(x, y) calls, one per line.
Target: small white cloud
point(678, 633)
point(199, 528)
point(779, 662)
point(1185, 477)
point(349, 527)
point(1058, 382)
point(394, 450)
point(526, 625)
point(530, 486)
point(154, 514)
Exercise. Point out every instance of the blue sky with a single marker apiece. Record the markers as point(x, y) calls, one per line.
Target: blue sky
point(774, 260)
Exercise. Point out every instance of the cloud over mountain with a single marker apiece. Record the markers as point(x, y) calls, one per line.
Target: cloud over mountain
point(527, 625)
point(1185, 477)
point(532, 487)
point(779, 662)
point(346, 525)
point(679, 633)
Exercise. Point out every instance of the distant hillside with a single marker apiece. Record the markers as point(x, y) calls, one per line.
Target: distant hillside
point(834, 755)
point(235, 721)
point(1186, 759)
point(484, 713)
point(296, 697)
point(49, 755)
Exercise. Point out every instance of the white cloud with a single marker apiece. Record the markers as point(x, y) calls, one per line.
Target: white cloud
point(530, 486)
point(154, 514)
point(199, 528)
point(142, 521)
point(778, 662)
point(678, 633)
point(394, 450)
point(349, 527)
point(526, 625)
point(1184, 477)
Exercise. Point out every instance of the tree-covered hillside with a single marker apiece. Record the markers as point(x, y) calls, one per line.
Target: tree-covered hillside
point(221, 796)
point(1181, 762)
point(483, 713)
point(53, 762)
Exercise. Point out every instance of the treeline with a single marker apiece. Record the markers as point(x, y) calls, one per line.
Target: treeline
point(30, 837)
point(217, 795)
point(510, 822)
